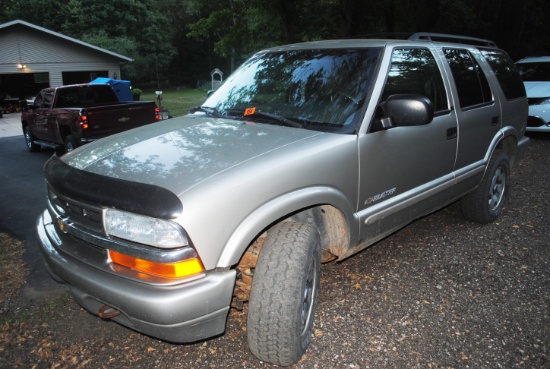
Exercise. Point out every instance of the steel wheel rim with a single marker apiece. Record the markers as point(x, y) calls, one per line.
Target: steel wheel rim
point(497, 189)
point(28, 138)
point(308, 297)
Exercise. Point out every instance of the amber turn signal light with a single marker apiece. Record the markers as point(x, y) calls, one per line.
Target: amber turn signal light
point(180, 269)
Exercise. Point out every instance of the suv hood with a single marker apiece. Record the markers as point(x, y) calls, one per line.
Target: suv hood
point(180, 153)
point(537, 89)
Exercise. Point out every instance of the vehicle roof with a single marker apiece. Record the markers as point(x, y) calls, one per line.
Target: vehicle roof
point(416, 39)
point(535, 59)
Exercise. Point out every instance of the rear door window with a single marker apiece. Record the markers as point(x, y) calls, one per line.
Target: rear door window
point(471, 84)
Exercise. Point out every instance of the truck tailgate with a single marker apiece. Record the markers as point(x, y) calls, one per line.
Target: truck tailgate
point(109, 119)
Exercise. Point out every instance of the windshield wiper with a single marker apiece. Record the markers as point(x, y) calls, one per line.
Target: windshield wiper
point(206, 109)
point(277, 118)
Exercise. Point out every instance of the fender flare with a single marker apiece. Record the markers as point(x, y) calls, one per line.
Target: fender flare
point(499, 138)
point(279, 208)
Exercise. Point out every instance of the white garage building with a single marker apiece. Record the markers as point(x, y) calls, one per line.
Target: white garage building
point(32, 58)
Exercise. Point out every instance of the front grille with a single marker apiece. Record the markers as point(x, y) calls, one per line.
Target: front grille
point(73, 209)
point(85, 215)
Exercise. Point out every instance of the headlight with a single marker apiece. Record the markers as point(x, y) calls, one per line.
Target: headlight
point(141, 229)
point(545, 101)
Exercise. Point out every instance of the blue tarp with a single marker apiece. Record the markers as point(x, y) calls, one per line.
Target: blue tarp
point(122, 88)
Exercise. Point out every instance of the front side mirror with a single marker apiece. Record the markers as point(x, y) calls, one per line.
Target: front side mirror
point(406, 110)
point(23, 105)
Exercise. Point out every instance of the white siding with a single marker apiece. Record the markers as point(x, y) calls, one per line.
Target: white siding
point(43, 52)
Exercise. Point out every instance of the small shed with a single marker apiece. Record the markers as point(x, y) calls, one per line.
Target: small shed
point(217, 78)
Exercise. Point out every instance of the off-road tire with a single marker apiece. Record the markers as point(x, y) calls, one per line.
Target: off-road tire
point(71, 143)
point(29, 140)
point(484, 205)
point(284, 293)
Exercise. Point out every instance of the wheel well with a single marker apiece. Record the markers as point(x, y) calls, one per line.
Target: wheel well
point(64, 131)
point(332, 226)
point(334, 232)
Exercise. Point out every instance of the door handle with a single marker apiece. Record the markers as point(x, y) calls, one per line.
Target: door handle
point(451, 133)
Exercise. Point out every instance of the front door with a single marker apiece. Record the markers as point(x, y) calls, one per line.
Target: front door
point(406, 172)
point(41, 114)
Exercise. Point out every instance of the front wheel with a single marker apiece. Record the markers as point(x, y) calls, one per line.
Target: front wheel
point(284, 293)
point(485, 204)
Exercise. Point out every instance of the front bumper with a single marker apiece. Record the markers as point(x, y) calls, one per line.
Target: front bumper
point(175, 312)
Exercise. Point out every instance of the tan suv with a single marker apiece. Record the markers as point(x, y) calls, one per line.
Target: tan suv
point(308, 153)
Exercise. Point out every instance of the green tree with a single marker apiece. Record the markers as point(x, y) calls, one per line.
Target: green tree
point(136, 27)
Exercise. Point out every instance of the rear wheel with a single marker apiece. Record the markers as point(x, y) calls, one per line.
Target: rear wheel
point(284, 293)
point(71, 143)
point(29, 139)
point(485, 204)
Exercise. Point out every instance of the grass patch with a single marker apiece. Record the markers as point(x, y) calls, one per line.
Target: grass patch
point(177, 102)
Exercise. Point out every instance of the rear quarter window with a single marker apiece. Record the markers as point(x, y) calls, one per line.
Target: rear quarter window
point(506, 72)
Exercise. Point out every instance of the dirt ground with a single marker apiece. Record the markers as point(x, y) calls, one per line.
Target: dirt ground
point(441, 293)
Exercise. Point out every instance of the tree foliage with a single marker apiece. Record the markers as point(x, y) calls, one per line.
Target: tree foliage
point(181, 41)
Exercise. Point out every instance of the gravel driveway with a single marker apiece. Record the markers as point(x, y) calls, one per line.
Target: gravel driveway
point(441, 293)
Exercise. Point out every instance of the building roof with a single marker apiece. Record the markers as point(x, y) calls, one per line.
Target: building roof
point(70, 39)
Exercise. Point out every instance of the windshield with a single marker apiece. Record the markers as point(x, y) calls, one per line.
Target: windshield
point(313, 89)
point(534, 71)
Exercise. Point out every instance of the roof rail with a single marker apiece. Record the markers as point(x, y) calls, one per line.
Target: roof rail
point(387, 35)
point(425, 36)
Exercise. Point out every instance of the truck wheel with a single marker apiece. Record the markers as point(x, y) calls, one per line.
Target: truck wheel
point(284, 293)
point(29, 139)
point(71, 143)
point(485, 204)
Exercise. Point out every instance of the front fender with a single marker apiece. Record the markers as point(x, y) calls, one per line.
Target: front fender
point(279, 208)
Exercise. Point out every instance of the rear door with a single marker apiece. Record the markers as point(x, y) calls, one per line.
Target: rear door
point(478, 113)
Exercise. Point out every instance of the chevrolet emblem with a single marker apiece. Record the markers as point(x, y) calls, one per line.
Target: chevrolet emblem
point(123, 119)
point(62, 225)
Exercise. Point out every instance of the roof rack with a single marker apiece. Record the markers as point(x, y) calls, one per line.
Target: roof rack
point(425, 36)
point(387, 35)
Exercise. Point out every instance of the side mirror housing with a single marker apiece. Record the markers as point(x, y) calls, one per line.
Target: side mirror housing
point(23, 105)
point(406, 110)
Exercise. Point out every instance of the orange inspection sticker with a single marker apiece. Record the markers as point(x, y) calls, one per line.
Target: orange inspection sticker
point(249, 111)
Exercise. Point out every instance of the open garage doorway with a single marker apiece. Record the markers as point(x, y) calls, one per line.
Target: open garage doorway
point(20, 86)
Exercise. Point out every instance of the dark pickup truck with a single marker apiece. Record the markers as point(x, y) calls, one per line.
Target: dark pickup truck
point(69, 116)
